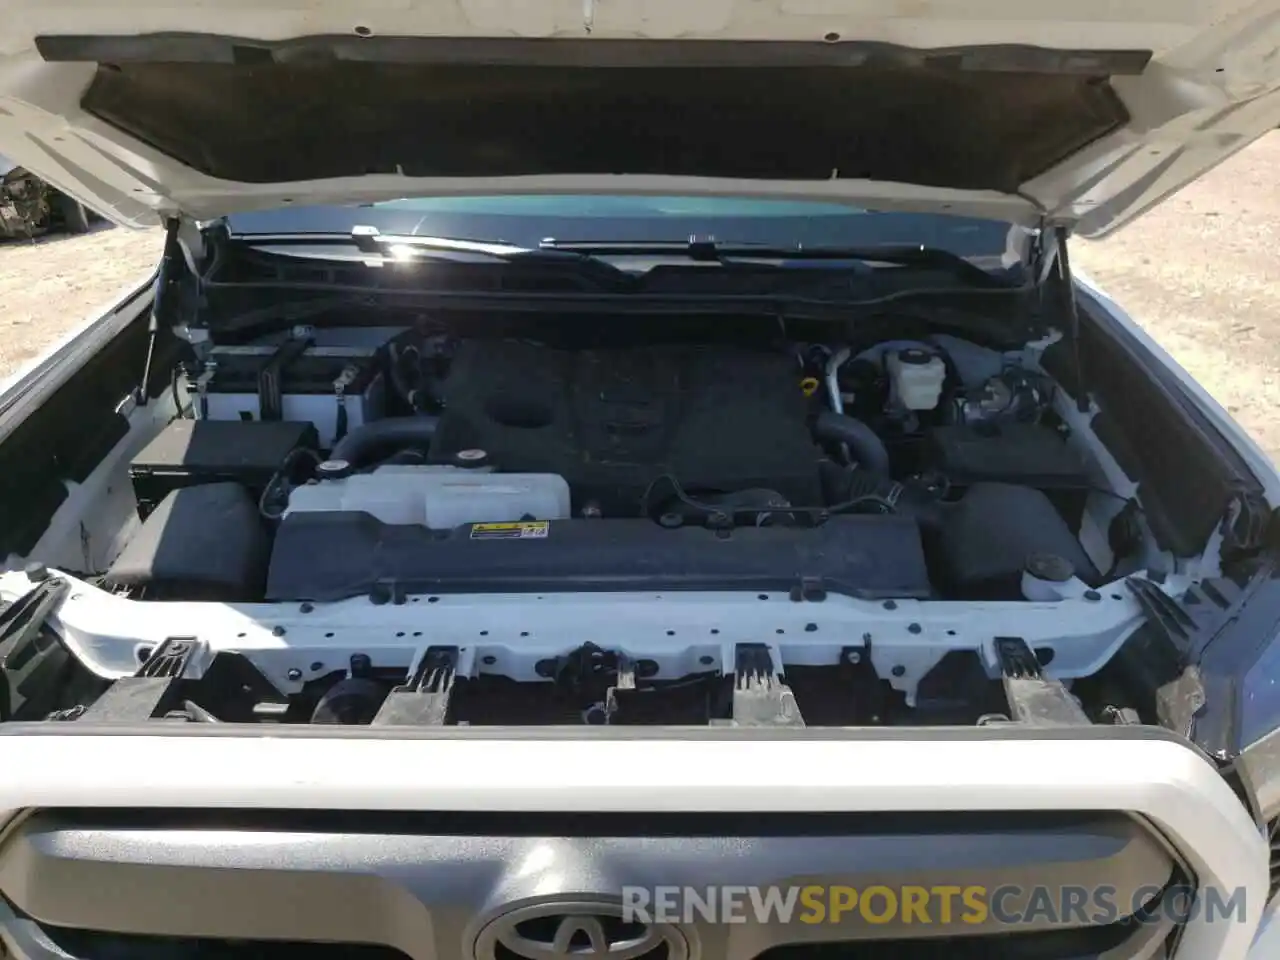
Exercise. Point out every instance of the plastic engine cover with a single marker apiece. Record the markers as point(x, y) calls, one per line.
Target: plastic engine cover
point(436, 497)
point(332, 556)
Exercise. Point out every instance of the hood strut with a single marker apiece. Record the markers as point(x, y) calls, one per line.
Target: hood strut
point(1072, 311)
point(167, 281)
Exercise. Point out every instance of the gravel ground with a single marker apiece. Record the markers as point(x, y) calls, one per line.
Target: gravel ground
point(52, 285)
point(1200, 273)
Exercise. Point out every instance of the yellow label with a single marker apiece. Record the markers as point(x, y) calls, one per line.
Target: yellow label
point(520, 530)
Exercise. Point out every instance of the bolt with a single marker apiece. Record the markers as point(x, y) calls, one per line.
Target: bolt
point(706, 660)
point(294, 673)
point(891, 605)
point(489, 660)
point(898, 670)
point(278, 631)
point(317, 666)
point(913, 628)
point(1093, 596)
point(36, 571)
point(306, 608)
point(810, 628)
point(854, 657)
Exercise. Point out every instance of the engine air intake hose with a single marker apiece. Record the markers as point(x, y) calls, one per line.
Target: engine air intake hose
point(360, 446)
point(866, 449)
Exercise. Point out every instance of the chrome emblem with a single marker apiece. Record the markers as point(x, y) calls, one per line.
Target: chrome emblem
point(577, 931)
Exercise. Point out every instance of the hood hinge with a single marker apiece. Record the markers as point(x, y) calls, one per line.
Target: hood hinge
point(1247, 522)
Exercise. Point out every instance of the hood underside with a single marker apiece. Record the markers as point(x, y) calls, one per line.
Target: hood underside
point(1002, 110)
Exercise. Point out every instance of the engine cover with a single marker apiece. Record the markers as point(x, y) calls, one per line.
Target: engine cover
point(612, 421)
point(333, 556)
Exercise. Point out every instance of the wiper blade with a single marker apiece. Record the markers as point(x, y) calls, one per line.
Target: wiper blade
point(407, 248)
point(367, 239)
point(713, 251)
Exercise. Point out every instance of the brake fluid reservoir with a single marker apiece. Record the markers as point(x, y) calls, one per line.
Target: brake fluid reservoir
point(439, 497)
point(915, 378)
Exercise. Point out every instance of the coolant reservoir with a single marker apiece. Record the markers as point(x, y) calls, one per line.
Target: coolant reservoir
point(439, 497)
point(915, 378)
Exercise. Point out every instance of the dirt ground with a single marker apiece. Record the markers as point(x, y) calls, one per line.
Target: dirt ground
point(1202, 273)
point(54, 284)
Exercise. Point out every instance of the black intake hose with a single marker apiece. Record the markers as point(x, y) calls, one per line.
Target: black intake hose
point(394, 433)
point(867, 450)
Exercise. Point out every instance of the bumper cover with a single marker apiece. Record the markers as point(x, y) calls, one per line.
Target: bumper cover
point(1154, 780)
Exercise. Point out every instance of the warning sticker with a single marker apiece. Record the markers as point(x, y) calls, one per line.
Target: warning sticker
point(521, 530)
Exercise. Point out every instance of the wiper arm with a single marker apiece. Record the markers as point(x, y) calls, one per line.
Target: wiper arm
point(407, 248)
point(713, 251)
point(367, 239)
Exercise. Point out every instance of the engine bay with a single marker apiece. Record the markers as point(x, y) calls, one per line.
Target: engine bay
point(517, 527)
point(506, 464)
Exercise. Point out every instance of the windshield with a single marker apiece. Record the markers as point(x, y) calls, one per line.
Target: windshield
point(526, 221)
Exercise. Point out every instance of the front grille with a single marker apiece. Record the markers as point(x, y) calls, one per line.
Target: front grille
point(99, 945)
point(1046, 945)
point(78, 944)
point(277, 885)
point(1274, 831)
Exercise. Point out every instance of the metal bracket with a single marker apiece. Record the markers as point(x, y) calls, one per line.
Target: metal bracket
point(859, 673)
point(1034, 699)
point(760, 698)
point(151, 692)
point(623, 689)
point(425, 701)
point(202, 388)
point(21, 626)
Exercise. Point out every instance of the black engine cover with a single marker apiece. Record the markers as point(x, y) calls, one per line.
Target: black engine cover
point(333, 556)
point(612, 421)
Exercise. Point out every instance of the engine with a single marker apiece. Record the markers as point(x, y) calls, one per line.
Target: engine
point(614, 422)
point(386, 465)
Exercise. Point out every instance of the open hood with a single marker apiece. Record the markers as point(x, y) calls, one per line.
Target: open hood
point(1085, 113)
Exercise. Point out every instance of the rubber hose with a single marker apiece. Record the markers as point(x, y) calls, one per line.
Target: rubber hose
point(358, 446)
point(865, 447)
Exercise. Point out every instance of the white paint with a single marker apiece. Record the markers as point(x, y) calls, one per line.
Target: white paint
point(510, 633)
point(1212, 87)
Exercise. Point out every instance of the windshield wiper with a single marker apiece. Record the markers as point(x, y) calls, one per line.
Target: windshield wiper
point(407, 248)
point(714, 251)
point(367, 239)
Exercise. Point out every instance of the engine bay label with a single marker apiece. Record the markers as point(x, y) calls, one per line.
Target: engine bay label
point(520, 530)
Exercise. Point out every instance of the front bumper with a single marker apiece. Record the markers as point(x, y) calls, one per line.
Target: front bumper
point(514, 777)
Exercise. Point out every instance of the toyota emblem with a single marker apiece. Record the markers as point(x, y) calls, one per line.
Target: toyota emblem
point(576, 931)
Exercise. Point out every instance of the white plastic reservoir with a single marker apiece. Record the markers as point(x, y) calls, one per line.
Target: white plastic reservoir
point(439, 497)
